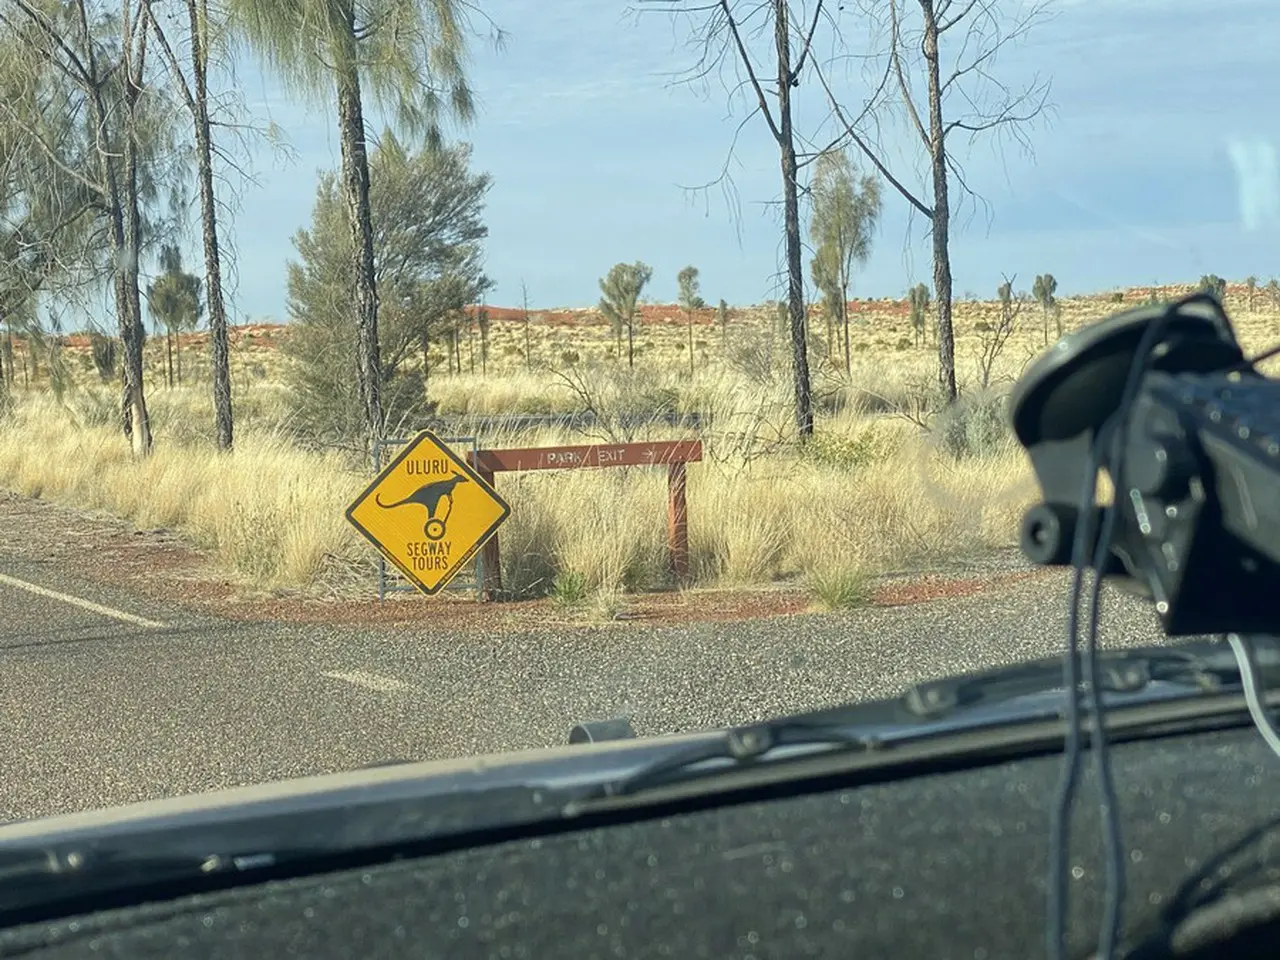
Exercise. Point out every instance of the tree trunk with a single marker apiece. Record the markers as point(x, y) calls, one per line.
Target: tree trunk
point(168, 357)
point(126, 404)
point(426, 360)
point(528, 345)
point(177, 357)
point(355, 182)
point(691, 343)
point(843, 306)
point(8, 351)
point(791, 215)
point(848, 363)
point(631, 344)
point(941, 211)
point(126, 229)
point(222, 412)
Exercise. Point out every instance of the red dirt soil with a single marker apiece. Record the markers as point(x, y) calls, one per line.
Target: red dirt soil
point(268, 334)
point(155, 564)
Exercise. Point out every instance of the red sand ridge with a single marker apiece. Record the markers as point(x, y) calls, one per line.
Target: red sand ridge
point(651, 314)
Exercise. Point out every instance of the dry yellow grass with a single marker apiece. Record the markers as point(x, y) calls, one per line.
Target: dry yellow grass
point(872, 493)
point(269, 512)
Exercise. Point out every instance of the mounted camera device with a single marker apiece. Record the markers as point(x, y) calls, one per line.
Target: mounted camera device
point(1189, 432)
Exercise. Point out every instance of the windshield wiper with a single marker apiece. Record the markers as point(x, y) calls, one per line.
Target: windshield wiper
point(1196, 666)
point(935, 709)
point(738, 747)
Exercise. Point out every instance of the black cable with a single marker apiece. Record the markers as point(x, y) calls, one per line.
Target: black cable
point(1060, 825)
point(1254, 693)
point(1114, 445)
point(1257, 358)
point(1115, 871)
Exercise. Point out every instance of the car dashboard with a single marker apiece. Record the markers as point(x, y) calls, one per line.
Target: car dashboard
point(949, 864)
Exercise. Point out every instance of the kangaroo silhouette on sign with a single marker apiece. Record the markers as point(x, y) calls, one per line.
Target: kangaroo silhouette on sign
point(429, 496)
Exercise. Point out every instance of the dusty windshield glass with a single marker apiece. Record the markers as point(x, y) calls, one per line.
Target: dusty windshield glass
point(421, 385)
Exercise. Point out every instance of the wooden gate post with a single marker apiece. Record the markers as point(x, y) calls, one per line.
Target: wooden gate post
point(678, 521)
point(490, 555)
point(675, 454)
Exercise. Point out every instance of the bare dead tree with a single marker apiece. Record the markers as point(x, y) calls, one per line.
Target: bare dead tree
point(528, 343)
point(994, 337)
point(721, 31)
point(970, 34)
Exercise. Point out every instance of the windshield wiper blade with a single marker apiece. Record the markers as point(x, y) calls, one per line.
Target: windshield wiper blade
point(736, 748)
point(926, 710)
point(1196, 666)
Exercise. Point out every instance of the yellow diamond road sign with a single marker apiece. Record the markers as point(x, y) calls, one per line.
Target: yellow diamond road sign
point(428, 512)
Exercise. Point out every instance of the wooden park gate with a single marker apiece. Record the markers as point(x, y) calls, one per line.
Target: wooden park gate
point(673, 454)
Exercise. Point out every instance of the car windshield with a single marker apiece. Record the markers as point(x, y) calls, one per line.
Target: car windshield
point(417, 383)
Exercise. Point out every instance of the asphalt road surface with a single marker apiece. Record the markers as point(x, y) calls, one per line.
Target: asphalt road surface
point(109, 696)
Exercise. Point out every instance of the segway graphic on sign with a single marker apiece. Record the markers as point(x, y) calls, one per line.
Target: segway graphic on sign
point(428, 513)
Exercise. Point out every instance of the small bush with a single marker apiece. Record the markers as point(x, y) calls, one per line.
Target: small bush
point(975, 425)
point(569, 588)
point(841, 589)
point(848, 453)
point(104, 352)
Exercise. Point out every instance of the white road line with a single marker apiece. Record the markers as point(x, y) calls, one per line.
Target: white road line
point(370, 681)
point(77, 602)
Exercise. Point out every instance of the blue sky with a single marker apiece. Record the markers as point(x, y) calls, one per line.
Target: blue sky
point(1157, 163)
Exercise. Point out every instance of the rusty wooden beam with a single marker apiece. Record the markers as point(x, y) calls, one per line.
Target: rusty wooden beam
point(645, 454)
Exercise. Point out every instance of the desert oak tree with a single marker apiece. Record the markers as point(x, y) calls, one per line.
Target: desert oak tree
point(195, 97)
point(407, 56)
point(621, 289)
point(846, 210)
point(426, 208)
point(88, 63)
point(690, 300)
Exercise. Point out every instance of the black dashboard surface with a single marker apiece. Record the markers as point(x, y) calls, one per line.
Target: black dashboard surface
point(945, 866)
